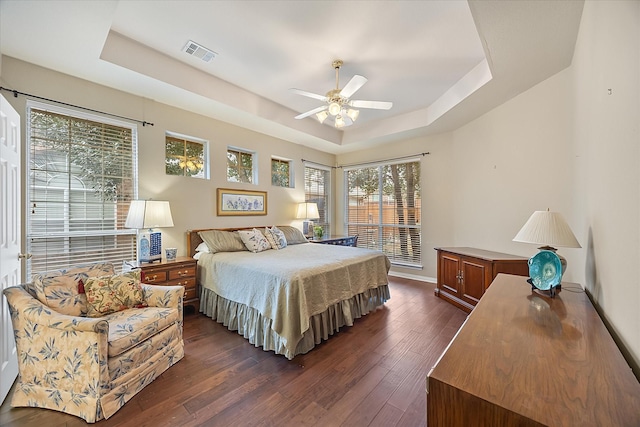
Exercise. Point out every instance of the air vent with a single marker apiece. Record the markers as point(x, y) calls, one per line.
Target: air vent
point(199, 51)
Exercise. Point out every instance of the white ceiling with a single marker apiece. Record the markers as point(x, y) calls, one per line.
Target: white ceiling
point(441, 63)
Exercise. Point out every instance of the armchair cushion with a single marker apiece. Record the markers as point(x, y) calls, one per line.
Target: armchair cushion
point(110, 294)
point(59, 289)
point(130, 327)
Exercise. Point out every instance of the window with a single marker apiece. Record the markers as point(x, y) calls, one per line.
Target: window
point(317, 188)
point(185, 156)
point(383, 208)
point(281, 172)
point(240, 166)
point(82, 178)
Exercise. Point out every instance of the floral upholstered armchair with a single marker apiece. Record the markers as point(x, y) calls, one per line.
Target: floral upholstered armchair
point(88, 340)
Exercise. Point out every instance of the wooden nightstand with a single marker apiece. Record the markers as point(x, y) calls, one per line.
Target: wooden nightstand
point(180, 272)
point(337, 240)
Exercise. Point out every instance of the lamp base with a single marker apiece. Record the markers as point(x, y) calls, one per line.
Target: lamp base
point(563, 261)
point(150, 246)
point(307, 229)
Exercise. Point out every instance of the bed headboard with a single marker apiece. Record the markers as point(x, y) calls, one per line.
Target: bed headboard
point(194, 239)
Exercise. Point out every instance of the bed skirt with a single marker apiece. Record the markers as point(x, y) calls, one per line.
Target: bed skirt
point(256, 328)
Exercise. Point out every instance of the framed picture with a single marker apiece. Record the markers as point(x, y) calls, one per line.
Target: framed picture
point(241, 202)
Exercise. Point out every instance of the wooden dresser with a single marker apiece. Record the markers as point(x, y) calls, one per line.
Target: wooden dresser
point(464, 274)
point(525, 359)
point(178, 272)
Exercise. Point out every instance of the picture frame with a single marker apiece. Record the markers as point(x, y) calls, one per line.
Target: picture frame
point(241, 202)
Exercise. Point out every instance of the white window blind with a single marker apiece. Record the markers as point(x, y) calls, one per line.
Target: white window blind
point(82, 178)
point(317, 189)
point(383, 207)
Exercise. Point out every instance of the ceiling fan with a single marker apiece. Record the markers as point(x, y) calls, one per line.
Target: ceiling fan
point(338, 103)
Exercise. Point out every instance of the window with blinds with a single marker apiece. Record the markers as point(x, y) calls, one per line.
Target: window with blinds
point(82, 178)
point(383, 207)
point(317, 189)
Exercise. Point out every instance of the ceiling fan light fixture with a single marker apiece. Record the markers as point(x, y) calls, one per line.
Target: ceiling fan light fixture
point(334, 108)
point(339, 122)
point(322, 116)
point(353, 114)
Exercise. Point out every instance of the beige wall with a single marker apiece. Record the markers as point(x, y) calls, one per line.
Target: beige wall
point(192, 200)
point(607, 165)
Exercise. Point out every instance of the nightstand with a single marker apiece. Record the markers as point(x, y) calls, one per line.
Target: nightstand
point(335, 240)
point(180, 272)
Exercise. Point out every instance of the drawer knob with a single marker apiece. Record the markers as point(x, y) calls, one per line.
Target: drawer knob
point(152, 279)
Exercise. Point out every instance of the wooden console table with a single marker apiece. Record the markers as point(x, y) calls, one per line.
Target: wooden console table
point(523, 358)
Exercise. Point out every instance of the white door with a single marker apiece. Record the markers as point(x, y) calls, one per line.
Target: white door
point(10, 263)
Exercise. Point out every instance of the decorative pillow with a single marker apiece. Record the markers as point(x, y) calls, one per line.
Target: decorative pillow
point(222, 241)
point(254, 240)
point(62, 290)
point(293, 235)
point(276, 238)
point(108, 294)
point(202, 247)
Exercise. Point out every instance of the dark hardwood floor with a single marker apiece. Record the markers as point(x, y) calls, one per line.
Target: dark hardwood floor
point(371, 374)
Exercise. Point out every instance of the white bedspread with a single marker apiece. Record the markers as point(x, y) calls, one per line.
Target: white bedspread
point(292, 284)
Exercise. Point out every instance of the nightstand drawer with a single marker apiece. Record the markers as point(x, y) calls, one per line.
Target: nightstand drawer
point(183, 271)
point(190, 294)
point(155, 277)
point(187, 283)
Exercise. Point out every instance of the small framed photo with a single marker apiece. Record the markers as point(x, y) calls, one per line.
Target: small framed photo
point(241, 202)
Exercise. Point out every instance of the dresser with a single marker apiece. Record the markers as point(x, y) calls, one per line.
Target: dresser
point(464, 274)
point(523, 358)
point(178, 272)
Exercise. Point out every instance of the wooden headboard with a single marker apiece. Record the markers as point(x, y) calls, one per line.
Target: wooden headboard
point(194, 239)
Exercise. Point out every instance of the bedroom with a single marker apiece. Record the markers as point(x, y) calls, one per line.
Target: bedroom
point(481, 180)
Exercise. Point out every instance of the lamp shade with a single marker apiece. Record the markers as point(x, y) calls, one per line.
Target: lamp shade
point(547, 228)
point(149, 214)
point(307, 210)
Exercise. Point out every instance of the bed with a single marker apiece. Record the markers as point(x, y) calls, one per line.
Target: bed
point(286, 300)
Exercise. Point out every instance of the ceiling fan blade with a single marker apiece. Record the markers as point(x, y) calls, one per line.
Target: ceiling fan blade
point(376, 105)
point(311, 112)
point(308, 94)
point(354, 84)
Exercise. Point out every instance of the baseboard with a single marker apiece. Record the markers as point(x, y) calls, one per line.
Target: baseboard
point(413, 277)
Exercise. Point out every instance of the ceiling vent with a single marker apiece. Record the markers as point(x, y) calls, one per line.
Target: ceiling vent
point(199, 51)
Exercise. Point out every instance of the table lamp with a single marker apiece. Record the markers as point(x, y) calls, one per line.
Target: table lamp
point(548, 229)
point(149, 214)
point(307, 211)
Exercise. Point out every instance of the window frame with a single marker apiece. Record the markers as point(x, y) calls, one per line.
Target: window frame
point(254, 169)
point(323, 200)
point(189, 140)
point(124, 240)
point(290, 177)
